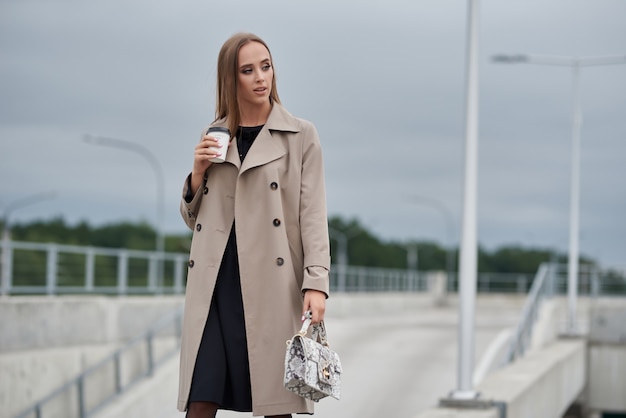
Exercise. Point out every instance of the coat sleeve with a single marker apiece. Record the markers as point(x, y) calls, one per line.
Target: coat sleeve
point(313, 216)
point(189, 204)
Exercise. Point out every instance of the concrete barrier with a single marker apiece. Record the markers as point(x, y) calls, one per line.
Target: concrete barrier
point(542, 384)
point(607, 356)
point(47, 341)
point(460, 413)
point(27, 376)
point(46, 322)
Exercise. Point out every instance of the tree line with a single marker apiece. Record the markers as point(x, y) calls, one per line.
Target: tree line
point(363, 249)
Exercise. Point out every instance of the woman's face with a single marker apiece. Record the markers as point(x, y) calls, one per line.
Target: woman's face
point(255, 75)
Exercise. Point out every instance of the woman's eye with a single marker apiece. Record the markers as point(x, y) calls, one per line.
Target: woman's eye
point(266, 67)
point(246, 71)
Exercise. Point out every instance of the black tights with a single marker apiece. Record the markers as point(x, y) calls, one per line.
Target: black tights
point(209, 409)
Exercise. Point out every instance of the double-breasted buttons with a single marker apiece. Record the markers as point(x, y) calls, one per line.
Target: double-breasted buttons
point(280, 261)
point(274, 185)
point(198, 227)
point(190, 263)
point(276, 222)
point(206, 190)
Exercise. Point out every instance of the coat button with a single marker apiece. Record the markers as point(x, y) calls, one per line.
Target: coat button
point(198, 227)
point(206, 190)
point(276, 222)
point(190, 214)
point(190, 263)
point(274, 185)
point(280, 261)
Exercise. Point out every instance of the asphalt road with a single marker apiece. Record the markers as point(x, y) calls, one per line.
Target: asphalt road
point(398, 364)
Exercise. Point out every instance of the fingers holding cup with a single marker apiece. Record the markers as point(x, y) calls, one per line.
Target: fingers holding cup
point(217, 149)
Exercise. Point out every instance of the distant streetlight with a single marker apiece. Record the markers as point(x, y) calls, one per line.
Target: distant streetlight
point(342, 254)
point(6, 231)
point(449, 226)
point(576, 64)
point(160, 183)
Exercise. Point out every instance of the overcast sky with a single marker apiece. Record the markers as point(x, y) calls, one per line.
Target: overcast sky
point(384, 82)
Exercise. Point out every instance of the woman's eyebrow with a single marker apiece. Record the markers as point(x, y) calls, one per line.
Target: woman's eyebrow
point(250, 64)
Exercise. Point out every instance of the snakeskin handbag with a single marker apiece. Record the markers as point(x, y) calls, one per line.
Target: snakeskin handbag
point(312, 369)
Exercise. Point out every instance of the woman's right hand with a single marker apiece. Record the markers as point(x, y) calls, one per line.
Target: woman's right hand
point(207, 149)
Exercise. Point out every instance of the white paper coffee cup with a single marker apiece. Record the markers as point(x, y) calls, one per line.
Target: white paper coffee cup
point(223, 137)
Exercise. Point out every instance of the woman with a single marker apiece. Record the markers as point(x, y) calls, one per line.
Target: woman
point(260, 255)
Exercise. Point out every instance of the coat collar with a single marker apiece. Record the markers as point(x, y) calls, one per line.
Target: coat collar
point(265, 148)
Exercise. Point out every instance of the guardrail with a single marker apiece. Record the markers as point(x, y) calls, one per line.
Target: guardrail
point(101, 383)
point(550, 280)
point(543, 286)
point(40, 268)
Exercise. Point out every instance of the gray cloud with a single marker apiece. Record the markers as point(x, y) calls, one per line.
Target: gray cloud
point(382, 81)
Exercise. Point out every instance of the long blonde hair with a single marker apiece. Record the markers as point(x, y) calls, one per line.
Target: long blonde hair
point(227, 106)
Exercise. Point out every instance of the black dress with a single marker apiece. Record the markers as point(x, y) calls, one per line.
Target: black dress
point(222, 373)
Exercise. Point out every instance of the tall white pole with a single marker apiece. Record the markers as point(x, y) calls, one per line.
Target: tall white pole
point(576, 64)
point(468, 252)
point(573, 258)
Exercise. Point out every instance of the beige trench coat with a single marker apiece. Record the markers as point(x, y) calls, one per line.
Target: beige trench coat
point(278, 198)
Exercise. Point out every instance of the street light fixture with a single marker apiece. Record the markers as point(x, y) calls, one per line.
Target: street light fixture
point(449, 225)
point(160, 183)
point(6, 231)
point(576, 64)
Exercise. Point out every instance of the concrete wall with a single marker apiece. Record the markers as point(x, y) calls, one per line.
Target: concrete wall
point(607, 378)
point(27, 376)
point(459, 413)
point(46, 341)
point(607, 356)
point(46, 322)
point(542, 384)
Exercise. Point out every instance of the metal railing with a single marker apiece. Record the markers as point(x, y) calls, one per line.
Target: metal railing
point(551, 280)
point(374, 279)
point(40, 268)
point(543, 286)
point(100, 384)
point(54, 269)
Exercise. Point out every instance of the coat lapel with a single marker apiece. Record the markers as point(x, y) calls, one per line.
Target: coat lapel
point(263, 150)
point(232, 155)
point(266, 147)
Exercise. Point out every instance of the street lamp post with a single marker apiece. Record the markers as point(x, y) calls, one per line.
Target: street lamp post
point(575, 64)
point(6, 232)
point(160, 183)
point(468, 249)
point(449, 225)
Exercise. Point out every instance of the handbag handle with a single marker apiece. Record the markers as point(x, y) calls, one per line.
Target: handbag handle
point(319, 330)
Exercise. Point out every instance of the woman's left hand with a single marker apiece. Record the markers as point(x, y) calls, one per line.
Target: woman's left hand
point(314, 301)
